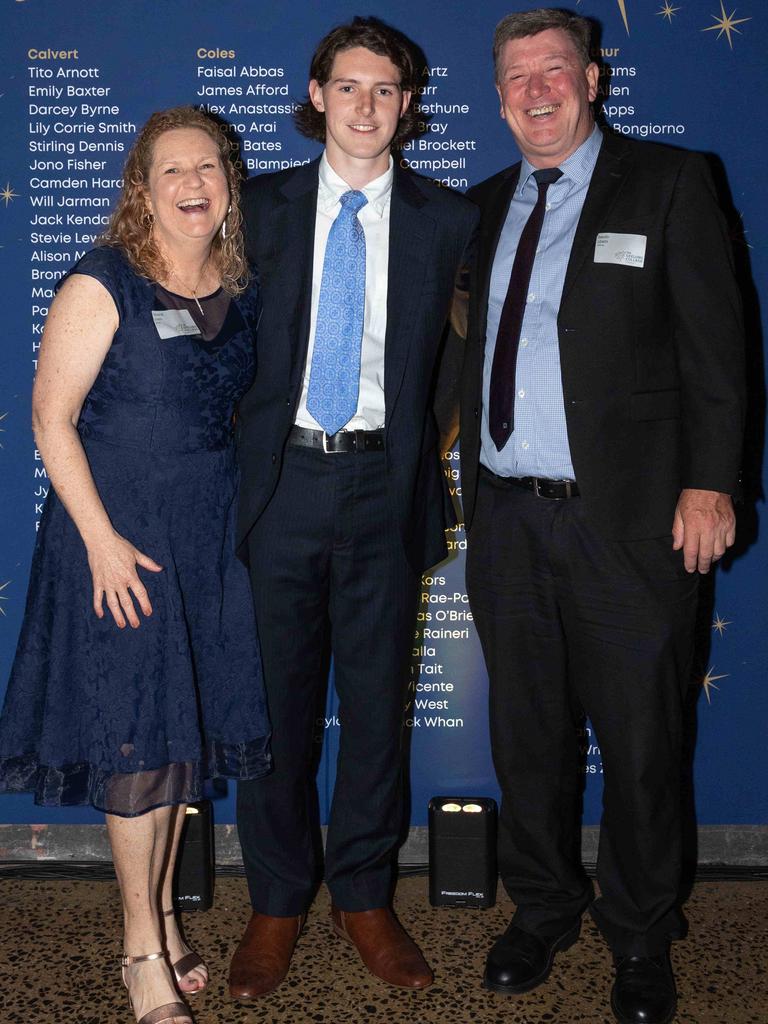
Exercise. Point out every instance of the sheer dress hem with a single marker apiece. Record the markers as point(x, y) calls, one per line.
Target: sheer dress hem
point(129, 794)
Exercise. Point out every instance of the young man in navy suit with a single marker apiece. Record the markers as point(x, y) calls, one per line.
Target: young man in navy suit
point(343, 497)
point(601, 431)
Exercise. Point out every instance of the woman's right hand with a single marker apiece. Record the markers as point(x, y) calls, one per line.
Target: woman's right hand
point(113, 564)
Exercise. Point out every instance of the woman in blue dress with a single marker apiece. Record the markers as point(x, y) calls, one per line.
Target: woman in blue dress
point(137, 672)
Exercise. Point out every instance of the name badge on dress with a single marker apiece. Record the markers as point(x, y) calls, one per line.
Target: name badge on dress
point(171, 323)
point(625, 250)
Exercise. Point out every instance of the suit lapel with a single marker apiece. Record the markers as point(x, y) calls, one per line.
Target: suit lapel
point(294, 228)
point(411, 233)
point(608, 177)
point(491, 223)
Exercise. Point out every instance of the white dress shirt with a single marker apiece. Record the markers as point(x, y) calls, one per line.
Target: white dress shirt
point(374, 218)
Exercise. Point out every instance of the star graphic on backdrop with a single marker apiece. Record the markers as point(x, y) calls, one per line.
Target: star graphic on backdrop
point(708, 682)
point(2, 429)
point(7, 194)
point(623, 8)
point(726, 23)
point(2, 598)
point(720, 624)
point(738, 232)
point(668, 11)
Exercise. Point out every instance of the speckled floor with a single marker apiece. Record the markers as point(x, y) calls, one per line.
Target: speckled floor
point(59, 942)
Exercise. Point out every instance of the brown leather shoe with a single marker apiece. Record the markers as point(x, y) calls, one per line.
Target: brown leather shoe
point(262, 959)
point(385, 947)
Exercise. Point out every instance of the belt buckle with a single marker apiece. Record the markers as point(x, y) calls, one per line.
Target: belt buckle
point(566, 484)
point(326, 449)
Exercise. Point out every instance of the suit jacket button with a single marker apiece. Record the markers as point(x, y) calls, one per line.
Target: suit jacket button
point(274, 457)
point(476, 413)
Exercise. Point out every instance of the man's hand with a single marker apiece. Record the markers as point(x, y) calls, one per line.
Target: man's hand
point(448, 438)
point(704, 526)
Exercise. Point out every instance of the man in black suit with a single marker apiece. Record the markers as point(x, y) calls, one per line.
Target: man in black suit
point(343, 498)
point(601, 422)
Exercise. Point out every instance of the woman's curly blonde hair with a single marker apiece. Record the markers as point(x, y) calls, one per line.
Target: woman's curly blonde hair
point(130, 226)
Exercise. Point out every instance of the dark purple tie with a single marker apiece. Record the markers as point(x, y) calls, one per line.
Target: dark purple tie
point(502, 397)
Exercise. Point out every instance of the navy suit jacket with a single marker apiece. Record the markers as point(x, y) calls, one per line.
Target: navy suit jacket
point(652, 358)
point(430, 229)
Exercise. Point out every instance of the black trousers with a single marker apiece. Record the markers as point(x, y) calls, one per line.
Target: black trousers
point(328, 569)
point(571, 623)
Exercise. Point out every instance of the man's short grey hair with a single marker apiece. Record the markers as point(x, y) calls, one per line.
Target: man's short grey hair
point(530, 23)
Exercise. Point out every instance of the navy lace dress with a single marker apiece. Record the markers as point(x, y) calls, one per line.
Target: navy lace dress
point(128, 720)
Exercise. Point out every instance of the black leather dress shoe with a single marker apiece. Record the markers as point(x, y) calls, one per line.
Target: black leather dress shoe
point(644, 990)
point(519, 961)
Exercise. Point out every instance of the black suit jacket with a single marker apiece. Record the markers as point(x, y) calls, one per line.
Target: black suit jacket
point(430, 228)
point(652, 357)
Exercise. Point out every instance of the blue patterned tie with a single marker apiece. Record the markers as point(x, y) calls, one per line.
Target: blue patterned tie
point(334, 380)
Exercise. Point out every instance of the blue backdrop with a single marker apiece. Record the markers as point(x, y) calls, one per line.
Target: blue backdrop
point(76, 79)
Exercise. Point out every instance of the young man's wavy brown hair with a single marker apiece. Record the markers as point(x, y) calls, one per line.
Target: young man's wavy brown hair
point(130, 226)
point(379, 38)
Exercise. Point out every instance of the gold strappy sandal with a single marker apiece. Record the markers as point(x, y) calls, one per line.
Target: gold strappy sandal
point(168, 1013)
point(187, 963)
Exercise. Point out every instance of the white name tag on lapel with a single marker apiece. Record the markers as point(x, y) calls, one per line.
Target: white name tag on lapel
point(626, 250)
point(170, 323)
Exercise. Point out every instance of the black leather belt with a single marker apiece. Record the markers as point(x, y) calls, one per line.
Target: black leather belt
point(555, 490)
point(341, 441)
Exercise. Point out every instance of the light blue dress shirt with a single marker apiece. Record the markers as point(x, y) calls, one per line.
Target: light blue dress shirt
point(538, 446)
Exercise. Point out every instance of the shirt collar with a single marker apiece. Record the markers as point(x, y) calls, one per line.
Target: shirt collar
point(577, 169)
point(331, 187)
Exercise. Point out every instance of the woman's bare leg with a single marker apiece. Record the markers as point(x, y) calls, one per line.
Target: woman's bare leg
point(139, 851)
point(196, 979)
